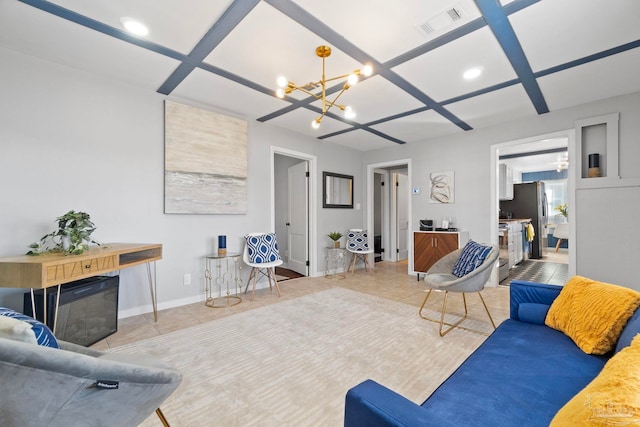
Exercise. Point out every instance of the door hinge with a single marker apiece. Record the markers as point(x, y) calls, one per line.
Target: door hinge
point(397, 184)
point(382, 183)
point(306, 174)
point(382, 250)
point(306, 263)
point(397, 250)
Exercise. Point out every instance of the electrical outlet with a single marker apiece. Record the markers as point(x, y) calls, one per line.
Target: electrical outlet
point(186, 279)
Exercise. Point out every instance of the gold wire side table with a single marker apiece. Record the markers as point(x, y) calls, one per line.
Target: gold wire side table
point(334, 261)
point(228, 269)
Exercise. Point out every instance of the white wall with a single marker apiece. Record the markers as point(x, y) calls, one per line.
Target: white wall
point(468, 155)
point(71, 140)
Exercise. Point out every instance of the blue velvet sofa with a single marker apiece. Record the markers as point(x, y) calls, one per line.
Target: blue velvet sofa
point(520, 376)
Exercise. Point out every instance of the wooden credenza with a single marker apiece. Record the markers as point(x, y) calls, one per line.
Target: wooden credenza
point(54, 269)
point(430, 246)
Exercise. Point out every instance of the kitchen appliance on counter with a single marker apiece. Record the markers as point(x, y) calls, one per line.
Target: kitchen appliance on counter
point(530, 201)
point(426, 225)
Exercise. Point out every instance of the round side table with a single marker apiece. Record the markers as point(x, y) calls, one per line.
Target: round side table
point(227, 272)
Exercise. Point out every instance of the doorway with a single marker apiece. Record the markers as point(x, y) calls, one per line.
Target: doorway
point(545, 159)
point(293, 207)
point(389, 209)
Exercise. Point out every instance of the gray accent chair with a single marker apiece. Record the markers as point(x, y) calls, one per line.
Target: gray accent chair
point(51, 387)
point(440, 279)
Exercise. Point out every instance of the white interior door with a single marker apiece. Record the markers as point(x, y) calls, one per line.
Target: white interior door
point(298, 223)
point(402, 220)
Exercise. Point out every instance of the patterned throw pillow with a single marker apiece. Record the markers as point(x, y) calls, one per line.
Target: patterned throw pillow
point(42, 333)
point(262, 248)
point(357, 241)
point(472, 256)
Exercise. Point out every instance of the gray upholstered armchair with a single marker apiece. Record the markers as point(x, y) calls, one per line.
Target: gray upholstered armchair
point(440, 278)
point(46, 386)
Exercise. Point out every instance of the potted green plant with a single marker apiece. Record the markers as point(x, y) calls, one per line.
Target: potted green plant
point(335, 236)
point(72, 236)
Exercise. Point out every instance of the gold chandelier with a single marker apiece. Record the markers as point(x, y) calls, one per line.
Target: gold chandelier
point(286, 87)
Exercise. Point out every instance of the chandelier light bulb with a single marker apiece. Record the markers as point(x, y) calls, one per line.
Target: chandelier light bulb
point(282, 81)
point(318, 89)
point(349, 113)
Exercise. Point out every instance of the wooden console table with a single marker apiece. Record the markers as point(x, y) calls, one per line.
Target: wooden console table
point(54, 269)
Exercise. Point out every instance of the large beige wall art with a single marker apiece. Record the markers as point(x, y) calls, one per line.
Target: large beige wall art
point(205, 162)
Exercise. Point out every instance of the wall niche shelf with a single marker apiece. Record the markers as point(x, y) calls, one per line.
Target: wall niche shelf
point(597, 135)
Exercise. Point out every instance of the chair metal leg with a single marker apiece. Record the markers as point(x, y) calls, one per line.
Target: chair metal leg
point(443, 311)
point(451, 325)
point(487, 310)
point(163, 420)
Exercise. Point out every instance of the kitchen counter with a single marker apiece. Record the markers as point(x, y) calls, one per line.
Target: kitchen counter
point(513, 220)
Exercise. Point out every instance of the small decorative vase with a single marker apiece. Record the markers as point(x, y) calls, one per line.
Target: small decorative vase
point(336, 243)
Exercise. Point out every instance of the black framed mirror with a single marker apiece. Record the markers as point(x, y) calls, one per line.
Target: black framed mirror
point(337, 190)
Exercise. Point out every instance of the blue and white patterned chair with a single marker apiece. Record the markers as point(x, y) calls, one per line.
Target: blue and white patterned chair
point(261, 253)
point(463, 270)
point(358, 245)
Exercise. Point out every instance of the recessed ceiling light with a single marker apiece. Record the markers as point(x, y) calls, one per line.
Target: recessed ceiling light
point(134, 26)
point(472, 73)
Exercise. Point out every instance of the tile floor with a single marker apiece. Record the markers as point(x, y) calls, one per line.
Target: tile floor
point(553, 268)
point(386, 280)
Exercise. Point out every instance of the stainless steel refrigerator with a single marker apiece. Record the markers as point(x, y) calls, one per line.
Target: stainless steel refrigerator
point(530, 201)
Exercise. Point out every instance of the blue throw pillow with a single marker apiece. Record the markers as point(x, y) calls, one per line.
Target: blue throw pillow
point(631, 329)
point(530, 312)
point(472, 256)
point(262, 248)
point(357, 241)
point(43, 334)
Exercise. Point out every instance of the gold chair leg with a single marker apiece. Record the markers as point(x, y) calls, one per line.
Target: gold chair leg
point(442, 323)
point(163, 420)
point(423, 304)
point(487, 310)
point(451, 325)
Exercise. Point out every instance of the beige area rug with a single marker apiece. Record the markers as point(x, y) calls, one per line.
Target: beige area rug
point(291, 363)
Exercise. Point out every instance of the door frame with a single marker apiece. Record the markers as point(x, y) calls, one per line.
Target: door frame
point(495, 202)
point(400, 164)
point(394, 211)
point(311, 202)
point(384, 211)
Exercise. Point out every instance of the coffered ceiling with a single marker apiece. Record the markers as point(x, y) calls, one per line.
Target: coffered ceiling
point(535, 56)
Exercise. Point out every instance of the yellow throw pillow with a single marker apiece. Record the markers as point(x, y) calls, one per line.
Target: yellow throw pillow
point(612, 398)
point(592, 313)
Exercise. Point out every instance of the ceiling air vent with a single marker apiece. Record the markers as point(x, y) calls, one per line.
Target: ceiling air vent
point(441, 20)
